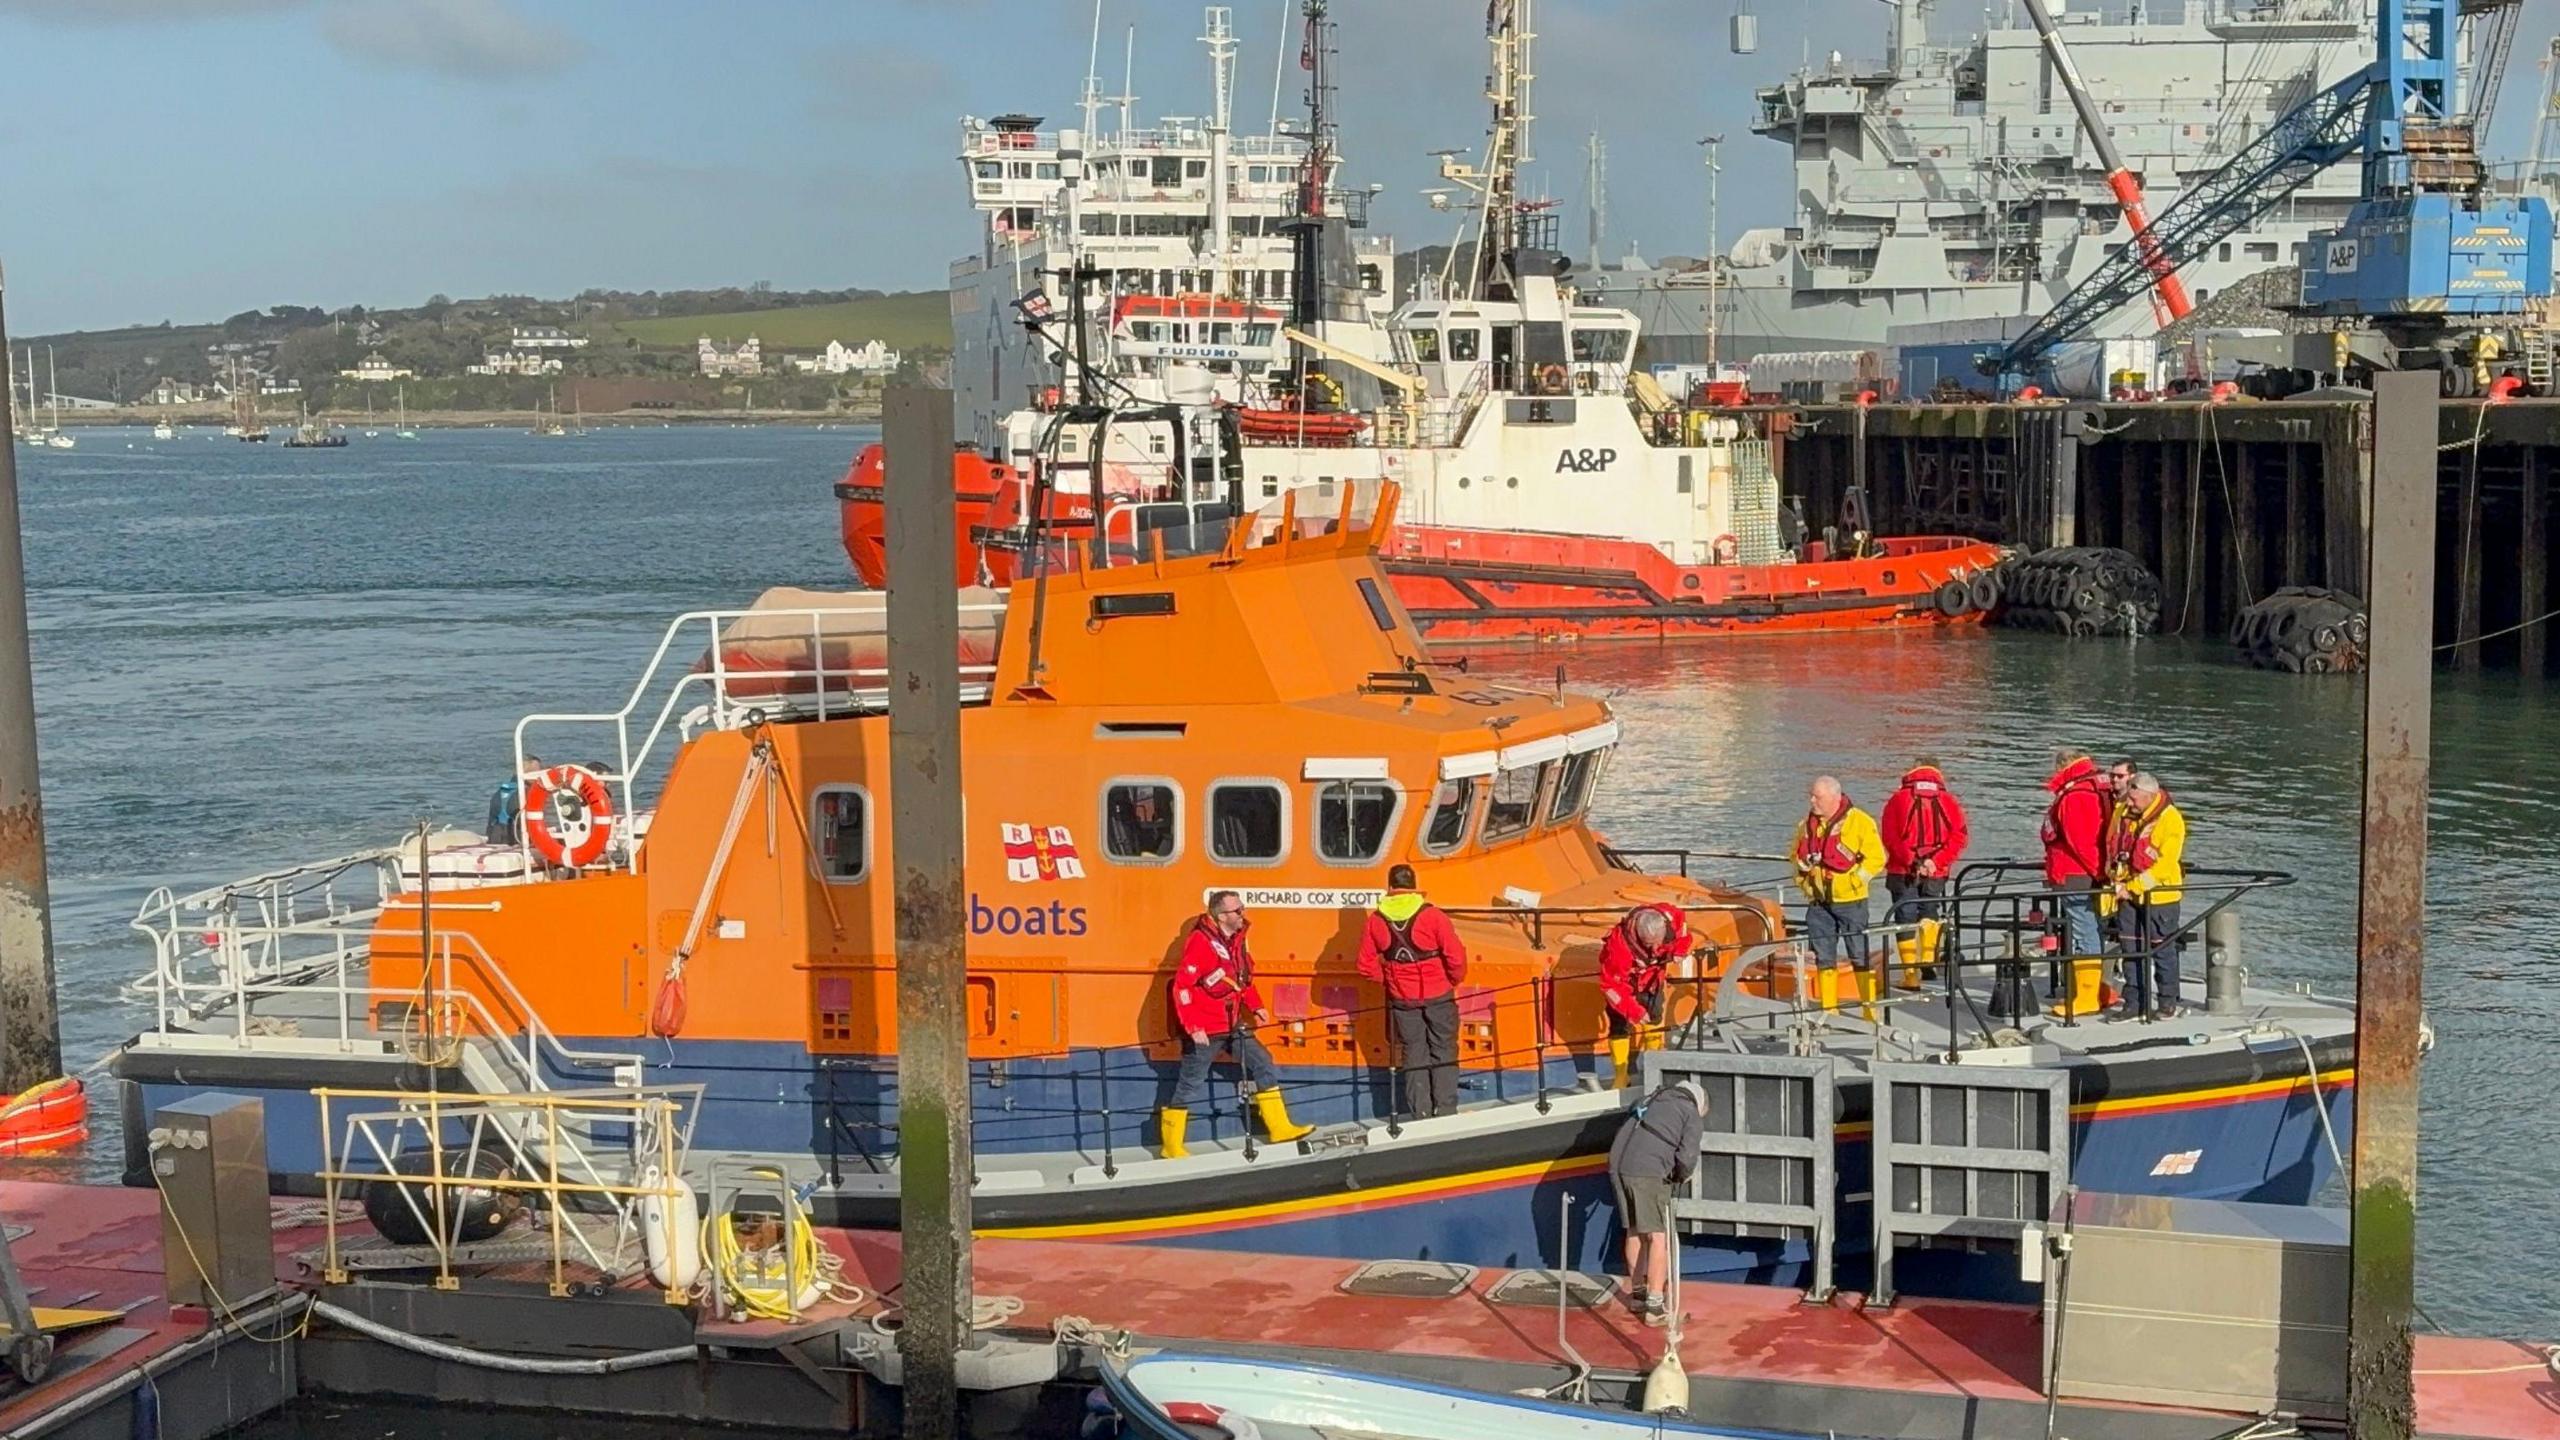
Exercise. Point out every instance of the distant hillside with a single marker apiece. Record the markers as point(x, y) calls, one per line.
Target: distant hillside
point(303, 351)
point(913, 321)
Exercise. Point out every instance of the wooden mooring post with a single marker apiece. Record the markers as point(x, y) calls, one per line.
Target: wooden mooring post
point(931, 903)
point(30, 1023)
point(2391, 913)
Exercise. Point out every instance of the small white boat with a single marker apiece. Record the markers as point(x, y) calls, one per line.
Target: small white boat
point(58, 441)
point(164, 431)
point(1172, 1396)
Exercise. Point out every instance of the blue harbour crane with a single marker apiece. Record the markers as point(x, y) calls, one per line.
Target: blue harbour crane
point(2430, 270)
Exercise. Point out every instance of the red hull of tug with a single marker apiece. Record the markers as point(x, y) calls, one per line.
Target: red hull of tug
point(1484, 586)
point(1489, 586)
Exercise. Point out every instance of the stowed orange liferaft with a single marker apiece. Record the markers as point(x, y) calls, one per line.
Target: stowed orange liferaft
point(568, 816)
point(45, 1116)
point(1299, 427)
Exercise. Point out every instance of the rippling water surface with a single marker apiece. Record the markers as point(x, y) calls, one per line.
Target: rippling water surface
point(250, 656)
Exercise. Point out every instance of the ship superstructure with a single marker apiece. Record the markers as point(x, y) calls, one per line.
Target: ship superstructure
point(1182, 208)
point(1952, 182)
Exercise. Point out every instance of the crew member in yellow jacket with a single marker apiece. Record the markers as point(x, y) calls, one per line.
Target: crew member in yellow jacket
point(1837, 851)
point(2147, 873)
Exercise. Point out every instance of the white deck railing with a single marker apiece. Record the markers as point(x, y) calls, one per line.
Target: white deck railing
point(277, 953)
point(709, 695)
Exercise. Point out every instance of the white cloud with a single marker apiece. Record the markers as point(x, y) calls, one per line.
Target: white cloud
point(467, 39)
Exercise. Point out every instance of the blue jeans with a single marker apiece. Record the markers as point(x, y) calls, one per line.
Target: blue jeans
point(2079, 912)
point(1192, 1085)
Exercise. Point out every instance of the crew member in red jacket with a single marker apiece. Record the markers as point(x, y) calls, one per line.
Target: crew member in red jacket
point(1410, 950)
point(1924, 840)
point(1635, 965)
point(1216, 1006)
point(2074, 854)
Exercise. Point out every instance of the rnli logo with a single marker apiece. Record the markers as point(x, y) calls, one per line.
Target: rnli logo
point(1585, 462)
point(1040, 852)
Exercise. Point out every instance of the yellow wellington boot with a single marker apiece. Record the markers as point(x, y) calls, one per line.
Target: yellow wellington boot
point(1622, 1074)
point(1172, 1123)
point(1275, 1118)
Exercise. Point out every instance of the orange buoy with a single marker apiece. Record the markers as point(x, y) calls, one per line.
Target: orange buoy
point(45, 1116)
point(568, 816)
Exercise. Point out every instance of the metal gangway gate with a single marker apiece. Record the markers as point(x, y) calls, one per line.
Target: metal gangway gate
point(1766, 1167)
point(1965, 1152)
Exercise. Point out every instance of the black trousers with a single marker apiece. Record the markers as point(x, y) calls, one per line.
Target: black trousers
point(1427, 1054)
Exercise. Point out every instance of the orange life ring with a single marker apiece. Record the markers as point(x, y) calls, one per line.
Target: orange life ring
point(1552, 379)
point(1726, 549)
point(568, 816)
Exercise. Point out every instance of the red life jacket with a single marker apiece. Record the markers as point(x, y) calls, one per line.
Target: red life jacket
point(2129, 849)
point(1819, 847)
point(2083, 779)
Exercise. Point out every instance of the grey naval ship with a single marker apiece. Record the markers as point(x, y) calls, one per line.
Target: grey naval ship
point(1950, 182)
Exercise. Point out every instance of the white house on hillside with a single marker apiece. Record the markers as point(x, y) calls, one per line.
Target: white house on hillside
point(744, 358)
point(515, 362)
point(544, 337)
point(374, 367)
point(869, 358)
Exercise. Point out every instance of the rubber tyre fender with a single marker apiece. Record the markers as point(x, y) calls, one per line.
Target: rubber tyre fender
point(1985, 589)
point(2284, 625)
point(1954, 598)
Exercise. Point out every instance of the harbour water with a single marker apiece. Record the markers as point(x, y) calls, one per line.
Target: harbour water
point(251, 656)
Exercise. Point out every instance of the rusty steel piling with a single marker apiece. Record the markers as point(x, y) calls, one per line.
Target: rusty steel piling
point(930, 899)
point(30, 1023)
point(2391, 913)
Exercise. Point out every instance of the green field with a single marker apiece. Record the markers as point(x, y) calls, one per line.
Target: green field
point(917, 320)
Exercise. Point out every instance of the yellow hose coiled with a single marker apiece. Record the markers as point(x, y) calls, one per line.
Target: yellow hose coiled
point(757, 1283)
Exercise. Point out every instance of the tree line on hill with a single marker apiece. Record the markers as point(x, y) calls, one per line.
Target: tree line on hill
point(309, 346)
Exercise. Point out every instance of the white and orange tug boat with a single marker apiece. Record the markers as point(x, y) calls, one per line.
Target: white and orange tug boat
point(709, 905)
point(1553, 492)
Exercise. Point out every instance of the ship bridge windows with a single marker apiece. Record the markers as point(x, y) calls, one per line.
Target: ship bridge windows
point(1466, 344)
point(1248, 822)
point(1424, 342)
point(1607, 345)
point(1453, 808)
point(1141, 820)
point(840, 831)
point(1165, 171)
point(1355, 819)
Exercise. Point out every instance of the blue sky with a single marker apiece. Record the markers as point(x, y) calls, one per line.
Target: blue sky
point(184, 159)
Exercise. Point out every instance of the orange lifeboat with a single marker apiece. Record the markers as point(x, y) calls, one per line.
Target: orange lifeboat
point(45, 1117)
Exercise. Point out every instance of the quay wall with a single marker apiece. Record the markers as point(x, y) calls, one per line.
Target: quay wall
point(2224, 502)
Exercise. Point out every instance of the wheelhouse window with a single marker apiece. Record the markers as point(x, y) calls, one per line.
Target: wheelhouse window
point(1141, 821)
point(1600, 347)
point(1354, 820)
point(1575, 775)
point(1248, 822)
point(1466, 343)
point(840, 828)
point(1426, 344)
point(1515, 801)
point(1453, 805)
